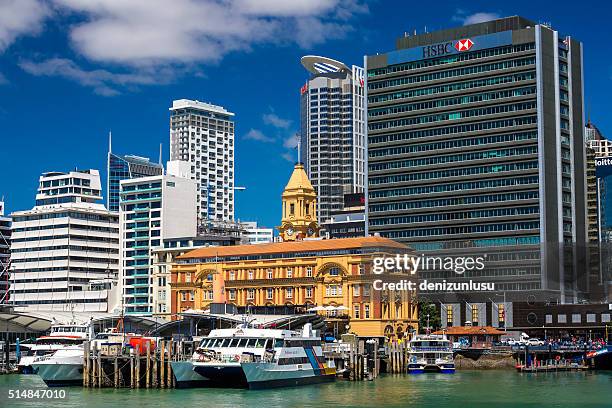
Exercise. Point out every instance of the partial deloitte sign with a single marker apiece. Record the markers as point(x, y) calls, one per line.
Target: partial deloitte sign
point(603, 167)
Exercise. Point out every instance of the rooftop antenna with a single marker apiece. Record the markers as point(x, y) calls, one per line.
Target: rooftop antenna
point(299, 143)
point(110, 141)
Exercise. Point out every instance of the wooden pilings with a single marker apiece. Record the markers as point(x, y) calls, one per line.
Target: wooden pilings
point(149, 367)
point(398, 357)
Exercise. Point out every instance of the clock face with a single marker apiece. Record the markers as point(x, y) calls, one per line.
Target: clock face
point(290, 231)
point(310, 231)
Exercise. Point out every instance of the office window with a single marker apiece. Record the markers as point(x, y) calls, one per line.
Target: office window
point(356, 290)
point(232, 294)
point(291, 209)
point(251, 275)
point(309, 292)
point(474, 315)
point(334, 271)
point(191, 295)
point(250, 294)
point(361, 269)
point(590, 317)
point(576, 318)
point(561, 318)
point(605, 317)
point(183, 296)
point(232, 275)
point(501, 314)
point(356, 310)
point(270, 273)
point(366, 290)
point(548, 319)
point(269, 293)
point(309, 272)
point(449, 315)
point(289, 272)
point(367, 311)
point(289, 293)
point(187, 277)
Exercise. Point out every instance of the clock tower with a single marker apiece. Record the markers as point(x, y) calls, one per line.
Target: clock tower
point(299, 208)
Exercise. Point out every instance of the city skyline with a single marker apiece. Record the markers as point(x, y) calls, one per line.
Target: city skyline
point(87, 91)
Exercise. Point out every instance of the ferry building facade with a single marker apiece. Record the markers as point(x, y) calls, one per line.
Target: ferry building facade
point(302, 271)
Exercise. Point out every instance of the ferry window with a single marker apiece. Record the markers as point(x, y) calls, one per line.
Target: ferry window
point(242, 342)
point(260, 343)
point(224, 342)
point(234, 343)
point(252, 343)
point(278, 343)
point(268, 343)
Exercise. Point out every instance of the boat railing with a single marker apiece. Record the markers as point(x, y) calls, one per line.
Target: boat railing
point(430, 349)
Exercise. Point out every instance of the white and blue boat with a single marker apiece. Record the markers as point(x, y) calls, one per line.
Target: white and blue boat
point(262, 358)
point(430, 352)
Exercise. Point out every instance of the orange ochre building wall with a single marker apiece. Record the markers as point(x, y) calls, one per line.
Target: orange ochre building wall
point(309, 273)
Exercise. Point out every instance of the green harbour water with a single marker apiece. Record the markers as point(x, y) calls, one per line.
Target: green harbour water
point(494, 388)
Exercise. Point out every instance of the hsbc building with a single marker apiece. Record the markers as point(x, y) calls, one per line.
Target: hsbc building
point(476, 144)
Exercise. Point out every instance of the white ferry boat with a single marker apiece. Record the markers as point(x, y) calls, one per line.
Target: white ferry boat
point(60, 337)
point(62, 368)
point(430, 352)
point(262, 358)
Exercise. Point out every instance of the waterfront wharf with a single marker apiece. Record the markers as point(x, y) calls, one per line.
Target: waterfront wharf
point(354, 361)
point(146, 367)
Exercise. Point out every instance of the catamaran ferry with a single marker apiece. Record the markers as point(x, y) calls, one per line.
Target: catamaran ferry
point(262, 358)
point(430, 352)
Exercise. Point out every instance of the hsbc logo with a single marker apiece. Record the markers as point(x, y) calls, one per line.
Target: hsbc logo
point(464, 45)
point(436, 50)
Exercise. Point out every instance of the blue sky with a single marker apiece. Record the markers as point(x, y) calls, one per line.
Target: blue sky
point(71, 70)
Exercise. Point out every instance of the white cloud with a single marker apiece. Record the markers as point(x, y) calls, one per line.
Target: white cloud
point(146, 32)
point(291, 142)
point(3, 80)
point(289, 156)
point(103, 82)
point(259, 136)
point(474, 18)
point(276, 121)
point(20, 17)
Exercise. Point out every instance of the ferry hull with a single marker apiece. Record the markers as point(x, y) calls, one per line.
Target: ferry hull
point(186, 377)
point(265, 375)
point(60, 375)
point(230, 376)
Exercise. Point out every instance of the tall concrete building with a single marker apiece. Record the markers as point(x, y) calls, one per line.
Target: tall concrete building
point(126, 167)
point(64, 251)
point(203, 135)
point(332, 140)
point(476, 146)
point(255, 234)
point(5, 254)
point(151, 209)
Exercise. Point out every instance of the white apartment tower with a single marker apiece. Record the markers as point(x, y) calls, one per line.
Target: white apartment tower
point(65, 250)
point(151, 209)
point(203, 135)
point(333, 131)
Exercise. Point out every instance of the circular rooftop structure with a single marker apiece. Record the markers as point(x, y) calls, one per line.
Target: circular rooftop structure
point(322, 65)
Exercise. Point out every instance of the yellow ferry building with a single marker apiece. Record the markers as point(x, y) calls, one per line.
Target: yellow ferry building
point(304, 271)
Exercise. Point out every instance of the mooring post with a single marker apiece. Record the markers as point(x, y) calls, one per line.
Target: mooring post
point(148, 373)
point(169, 368)
point(162, 360)
point(100, 374)
point(116, 371)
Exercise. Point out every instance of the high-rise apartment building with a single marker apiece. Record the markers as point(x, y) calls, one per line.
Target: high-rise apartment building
point(152, 209)
point(203, 135)
point(255, 234)
point(476, 144)
point(123, 168)
point(5, 254)
point(64, 251)
point(333, 131)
